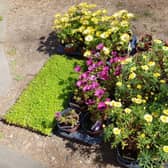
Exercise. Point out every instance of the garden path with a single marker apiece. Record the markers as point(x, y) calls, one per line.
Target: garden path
point(26, 22)
point(5, 77)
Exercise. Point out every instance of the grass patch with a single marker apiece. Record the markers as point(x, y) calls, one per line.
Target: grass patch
point(47, 93)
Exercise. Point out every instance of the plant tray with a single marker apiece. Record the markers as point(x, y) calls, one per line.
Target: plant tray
point(80, 136)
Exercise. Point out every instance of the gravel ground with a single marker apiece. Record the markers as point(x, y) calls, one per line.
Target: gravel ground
point(27, 22)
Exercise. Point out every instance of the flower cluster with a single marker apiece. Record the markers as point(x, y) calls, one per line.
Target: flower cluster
point(96, 84)
point(141, 120)
point(84, 26)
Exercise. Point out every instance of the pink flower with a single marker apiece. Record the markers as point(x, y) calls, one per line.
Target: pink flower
point(89, 62)
point(90, 102)
point(114, 53)
point(87, 88)
point(100, 46)
point(95, 85)
point(84, 75)
point(101, 106)
point(58, 115)
point(117, 70)
point(77, 68)
point(103, 75)
point(99, 92)
point(79, 83)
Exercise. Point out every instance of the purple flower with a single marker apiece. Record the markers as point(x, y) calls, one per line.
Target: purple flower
point(90, 102)
point(93, 51)
point(100, 46)
point(89, 62)
point(103, 75)
point(84, 75)
point(117, 70)
point(99, 92)
point(95, 85)
point(101, 106)
point(77, 68)
point(92, 67)
point(114, 53)
point(87, 88)
point(92, 78)
point(58, 115)
point(100, 63)
point(79, 83)
point(97, 54)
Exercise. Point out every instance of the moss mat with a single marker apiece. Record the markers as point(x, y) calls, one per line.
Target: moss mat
point(47, 93)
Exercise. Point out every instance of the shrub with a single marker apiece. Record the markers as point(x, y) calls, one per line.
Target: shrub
point(85, 27)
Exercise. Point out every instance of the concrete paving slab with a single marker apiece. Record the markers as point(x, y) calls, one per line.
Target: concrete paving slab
point(3, 11)
point(12, 159)
point(5, 77)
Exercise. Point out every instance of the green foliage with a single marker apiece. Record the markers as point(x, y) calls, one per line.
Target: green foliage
point(140, 123)
point(47, 93)
point(85, 26)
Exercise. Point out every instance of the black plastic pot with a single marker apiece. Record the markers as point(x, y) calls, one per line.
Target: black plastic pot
point(126, 162)
point(88, 126)
point(67, 128)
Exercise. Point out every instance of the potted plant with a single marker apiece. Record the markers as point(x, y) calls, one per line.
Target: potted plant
point(83, 28)
point(140, 124)
point(67, 120)
point(95, 84)
point(145, 43)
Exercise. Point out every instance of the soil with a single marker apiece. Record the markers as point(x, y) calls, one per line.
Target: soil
point(28, 23)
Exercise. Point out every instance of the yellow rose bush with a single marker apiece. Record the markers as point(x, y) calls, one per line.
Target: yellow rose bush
point(140, 123)
point(85, 27)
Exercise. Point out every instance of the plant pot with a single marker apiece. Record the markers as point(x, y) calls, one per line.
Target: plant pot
point(67, 128)
point(87, 126)
point(73, 51)
point(127, 162)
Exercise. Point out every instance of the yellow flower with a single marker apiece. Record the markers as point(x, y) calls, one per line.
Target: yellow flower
point(162, 81)
point(148, 117)
point(137, 100)
point(164, 118)
point(115, 104)
point(87, 53)
point(104, 35)
point(132, 75)
point(89, 30)
point(128, 86)
point(89, 38)
point(142, 135)
point(156, 74)
point(145, 67)
point(106, 50)
point(165, 111)
point(157, 41)
point(116, 131)
point(155, 114)
point(151, 63)
point(119, 84)
point(144, 56)
point(139, 96)
point(165, 48)
point(124, 23)
point(165, 148)
point(133, 69)
point(127, 110)
point(139, 86)
point(130, 15)
point(125, 37)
